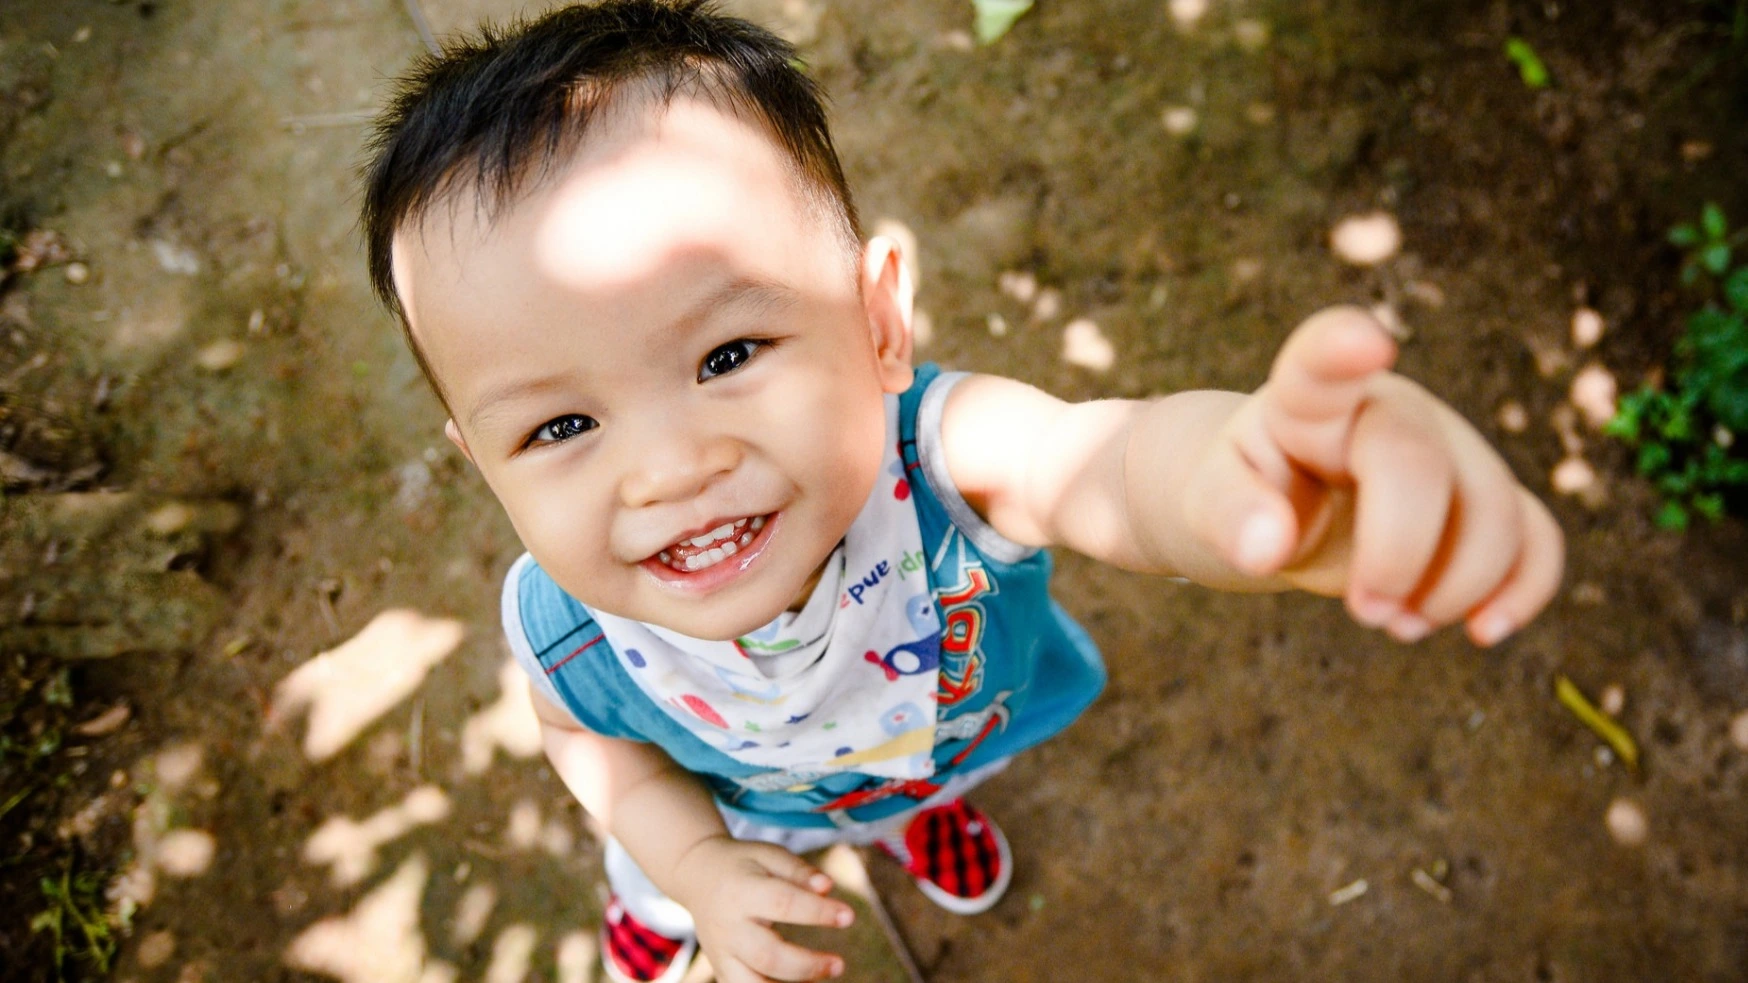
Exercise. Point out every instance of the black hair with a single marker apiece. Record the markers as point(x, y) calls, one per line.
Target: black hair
point(498, 109)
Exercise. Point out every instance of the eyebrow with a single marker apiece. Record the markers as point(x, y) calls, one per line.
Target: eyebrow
point(758, 294)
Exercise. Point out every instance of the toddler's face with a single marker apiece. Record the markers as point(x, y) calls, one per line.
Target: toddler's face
point(660, 362)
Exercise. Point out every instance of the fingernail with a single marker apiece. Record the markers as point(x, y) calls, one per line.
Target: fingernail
point(837, 969)
point(1259, 542)
point(1373, 611)
point(1409, 628)
point(1491, 629)
point(820, 882)
point(846, 917)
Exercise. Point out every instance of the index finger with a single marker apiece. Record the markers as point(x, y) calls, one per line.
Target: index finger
point(1318, 384)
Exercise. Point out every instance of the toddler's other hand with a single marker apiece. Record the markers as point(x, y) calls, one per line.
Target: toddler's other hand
point(736, 890)
point(1346, 479)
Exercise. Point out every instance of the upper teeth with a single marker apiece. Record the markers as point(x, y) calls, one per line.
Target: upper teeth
point(720, 532)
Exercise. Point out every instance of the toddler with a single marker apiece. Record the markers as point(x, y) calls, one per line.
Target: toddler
point(783, 589)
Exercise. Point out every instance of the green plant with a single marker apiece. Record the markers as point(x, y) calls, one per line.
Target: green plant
point(1530, 66)
point(75, 903)
point(1686, 434)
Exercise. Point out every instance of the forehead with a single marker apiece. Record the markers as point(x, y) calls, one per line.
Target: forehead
point(660, 204)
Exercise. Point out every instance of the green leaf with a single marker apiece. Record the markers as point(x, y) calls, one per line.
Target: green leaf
point(1736, 290)
point(1712, 220)
point(1684, 235)
point(1716, 258)
point(994, 17)
point(1529, 64)
point(1653, 458)
point(1672, 516)
point(1711, 506)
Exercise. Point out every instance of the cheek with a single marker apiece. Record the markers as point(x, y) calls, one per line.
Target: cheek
point(559, 523)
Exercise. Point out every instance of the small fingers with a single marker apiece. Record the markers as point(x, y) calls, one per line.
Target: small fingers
point(787, 866)
point(764, 952)
point(1319, 382)
point(1405, 488)
point(782, 901)
point(1531, 583)
point(1482, 544)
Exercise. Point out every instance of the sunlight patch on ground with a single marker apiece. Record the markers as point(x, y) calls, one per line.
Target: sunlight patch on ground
point(349, 687)
point(378, 941)
point(351, 846)
point(186, 852)
point(576, 953)
point(471, 914)
point(160, 846)
point(511, 953)
point(509, 723)
point(524, 829)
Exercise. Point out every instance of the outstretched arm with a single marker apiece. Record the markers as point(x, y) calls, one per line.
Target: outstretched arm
point(1337, 477)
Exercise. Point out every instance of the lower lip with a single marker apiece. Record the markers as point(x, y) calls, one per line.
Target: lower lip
point(717, 575)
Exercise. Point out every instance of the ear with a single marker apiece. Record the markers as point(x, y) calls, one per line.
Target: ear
point(887, 296)
point(453, 432)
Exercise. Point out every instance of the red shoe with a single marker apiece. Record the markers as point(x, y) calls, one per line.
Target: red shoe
point(957, 856)
point(632, 952)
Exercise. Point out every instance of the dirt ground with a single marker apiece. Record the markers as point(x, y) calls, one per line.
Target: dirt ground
point(255, 701)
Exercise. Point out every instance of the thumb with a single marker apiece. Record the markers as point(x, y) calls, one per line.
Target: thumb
point(1247, 521)
point(1318, 384)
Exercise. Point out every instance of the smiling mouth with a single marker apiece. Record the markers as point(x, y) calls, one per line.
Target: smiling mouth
point(707, 549)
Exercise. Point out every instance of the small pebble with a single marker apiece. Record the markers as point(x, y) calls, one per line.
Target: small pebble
point(1178, 120)
point(105, 723)
point(82, 35)
point(1366, 240)
point(998, 325)
point(78, 273)
point(1512, 417)
point(1392, 321)
point(169, 519)
point(1018, 284)
point(1187, 12)
point(1260, 113)
point(1573, 476)
point(1083, 344)
point(1587, 327)
point(1049, 304)
point(1627, 823)
point(1246, 269)
point(1694, 151)
point(155, 950)
point(1723, 436)
point(220, 355)
point(1593, 392)
point(1739, 731)
point(1251, 34)
point(1425, 292)
point(1604, 756)
point(112, 168)
point(1613, 699)
point(1589, 594)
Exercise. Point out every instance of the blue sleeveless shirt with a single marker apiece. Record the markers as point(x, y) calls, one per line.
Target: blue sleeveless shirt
point(1015, 668)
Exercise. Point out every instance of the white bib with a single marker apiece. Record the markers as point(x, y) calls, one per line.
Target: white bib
point(846, 684)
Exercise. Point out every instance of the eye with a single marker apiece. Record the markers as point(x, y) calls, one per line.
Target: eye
point(724, 359)
point(563, 428)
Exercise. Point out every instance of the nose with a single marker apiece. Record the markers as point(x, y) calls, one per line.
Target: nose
point(674, 461)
